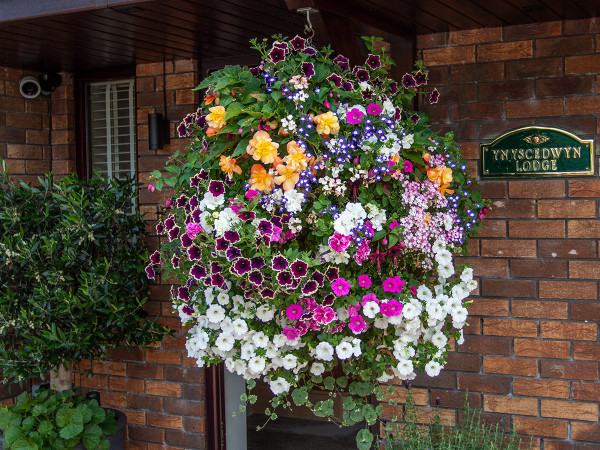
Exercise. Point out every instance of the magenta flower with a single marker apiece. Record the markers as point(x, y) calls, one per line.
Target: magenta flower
point(339, 242)
point(389, 285)
point(394, 224)
point(364, 281)
point(151, 187)
point(357, 324)
point(353, 310)
point(374, 109)
point(301, 327)
point(408, 166)
point(193, 229)
point(294, 311)
point(391, 308)
point(369, 298)
point(290, 333)
point(354, 116)
point(340, 286)
point(251, 194)
point(413, 290)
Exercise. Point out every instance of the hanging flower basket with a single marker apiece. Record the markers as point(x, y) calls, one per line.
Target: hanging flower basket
point(313, 225)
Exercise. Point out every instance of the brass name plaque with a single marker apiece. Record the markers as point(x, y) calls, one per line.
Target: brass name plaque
point(538, 152)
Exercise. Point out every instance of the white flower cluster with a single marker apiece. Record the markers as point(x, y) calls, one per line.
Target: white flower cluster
point(332, 185)
point(377, 216)
point(294, 200)
point(353, 216)
point(288, 124)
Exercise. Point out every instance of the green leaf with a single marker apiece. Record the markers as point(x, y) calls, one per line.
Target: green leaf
point(342, 381)
point(22, 443)
point(66, 417)
point(299, 396)
point(364, 439)
point(86, 412)
point(70, 431)
point(104, 444)
point(392, 240)
point(349, 404)
point(361, 388)
point(329, 383)
point(8, 418)
point(45, 427)
point(91, 436)
point(233, 110)
point(109, 426)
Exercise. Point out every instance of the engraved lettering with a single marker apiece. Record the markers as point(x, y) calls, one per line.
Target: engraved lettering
point(576, 152)
point(495, 155)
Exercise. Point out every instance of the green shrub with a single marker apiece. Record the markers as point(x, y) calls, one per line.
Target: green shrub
point(72, 282)
point(471, 433)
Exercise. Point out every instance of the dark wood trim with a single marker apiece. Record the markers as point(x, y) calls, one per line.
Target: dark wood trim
point(81, 81)
point(215, 407)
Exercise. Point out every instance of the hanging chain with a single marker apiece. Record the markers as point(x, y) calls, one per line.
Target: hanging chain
point(308, 28)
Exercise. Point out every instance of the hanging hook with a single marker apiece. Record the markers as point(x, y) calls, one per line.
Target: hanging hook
point(308, 28)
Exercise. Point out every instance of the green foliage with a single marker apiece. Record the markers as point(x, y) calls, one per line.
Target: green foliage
point(72, 282)
point(472, 433)
point(56, 420)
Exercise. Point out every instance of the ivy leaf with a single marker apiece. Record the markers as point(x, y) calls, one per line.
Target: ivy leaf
point(364, 439)
point(349, 404)
point(342, 381)
point(299, 396)
point(329, 383)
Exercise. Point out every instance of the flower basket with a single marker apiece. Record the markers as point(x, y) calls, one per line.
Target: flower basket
point(313, 225)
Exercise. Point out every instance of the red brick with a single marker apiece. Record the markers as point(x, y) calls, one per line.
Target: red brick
point(510, 405)
point(458, 93)
point(524, 268)
point(489, 307)
point(514, 248)
point(145, 402)
point(532, 30)
point(484, 383)
point(185, 96)
point(550, 444)
point(438, 75)
point(541, 427)
point(584, 188)
point(582, 64)
point(512, 209)
point(574, 209)
point(445, 380)
point(556, 87)
point(477, 72)
point(37, 167)
point(194, 425)
point(160, 356)
point(185, 374)
point(477, 111)
point(582, 26)
point(583, 229)
point(502, 51)
point(585, 311)
point(449, 55)
point(146, 434)
point(539, 309)
point(542, 349)
point(535, 387)
point(487, 267)
point(432, 40)
point(463, 362)
point(145, 371)
point(567, 248)
point(164, 421)
point(505, 90)
point(181, 81)
point(576, 331)
point(582, 105)
point(534, 68)
point(585, 431)
point(586, 350)
point(163, 389)
point(110, 367)
point(492, 228)
point(589, 392)
point(510, 327)
point(539, 230)
point(493, 189)
point(24, 151)
point(565, 46)
point(96, 382)
point(510, 366)
point(584, 269)
point(184, 439)
point(135, 417)
point(508, 288)
point(575, 124)
point(126, 385)
point(475, 36)
point(438, 113)
point(185, 407)
point(575, 290)
point(536, 188)
point(534, 108)
point(186, 65)
point(562, 409)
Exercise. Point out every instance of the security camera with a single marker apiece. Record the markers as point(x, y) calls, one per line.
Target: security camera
point(29, 87)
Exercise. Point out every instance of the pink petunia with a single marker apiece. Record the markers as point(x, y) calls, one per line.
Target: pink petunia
point(251, 194)
point(364, 281)
point(294, 311)
point(408, 166)
point(339, 242)
point(357, 324)
point(340, 287)
point(389, 285)
point(354, 116)
point(290, 333)
point(374, 109)
point(353, 310)
point(394, 224)
point(369, 298)
point(193, 229)
point(413, 290)
point(391, 308)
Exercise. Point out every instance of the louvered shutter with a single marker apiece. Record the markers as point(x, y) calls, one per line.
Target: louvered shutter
point(111, 137)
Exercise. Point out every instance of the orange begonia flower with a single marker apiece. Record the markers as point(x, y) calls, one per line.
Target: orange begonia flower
point(288, 176)
point(216, 118)
point(426, 157)
point(210, 131)
point(229, 166)
point(277, 161)
point(296, 157)
point(260, 179)
point(442, 176)
point(327, 123)
point(262, 148)
point(209, 99)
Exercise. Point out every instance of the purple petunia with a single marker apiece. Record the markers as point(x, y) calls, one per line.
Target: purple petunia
point(194, 201)
point(256, 277)
point(335, 79)
point(195, 181)
point(175, 261)
point(196, 215)
point(150, 272)
point(299, 268)
point(279, 263)
point(309, 51)
point(308, 69)
point(173, 233)
point(373, 61)
point(182, 130)
point(257, 262)
point(276, 55)
point(221, 244)
point(183, 293)
point(198, 272)
point(367, 94)
point(246, 215)
point(285, 278)
point(332, 273)
point(393, 88)
point(169, 223)
point(347, 86)
point(188, 310)
point(267, 293)
point(408, 81)
point(415, 118)
point(421, 78)
point(155, 257)
point(310, 287)
point(232, 236)
point(298, 43)
point(217, 280)
point(319, 278)
point(241, 266)
point(194, 253)
point(434, 97)
point(329, 300)
point(181, 201)
point(216, 187)
point(160, 228)
point(265, 228)
point(215, 267)
point(362, 75)
point(255, 71)
point(186, 241)
point(341, 62)
point(233, 253)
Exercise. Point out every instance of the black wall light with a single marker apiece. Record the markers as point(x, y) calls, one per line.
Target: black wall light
point(159, 128)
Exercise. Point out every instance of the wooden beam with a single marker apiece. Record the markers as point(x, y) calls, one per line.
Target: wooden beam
point(343, 37)
point(12, 10)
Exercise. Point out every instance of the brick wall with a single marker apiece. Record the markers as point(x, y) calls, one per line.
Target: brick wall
point(24, 128)
point(532, 353)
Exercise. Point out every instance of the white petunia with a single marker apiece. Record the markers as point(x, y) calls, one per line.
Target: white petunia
point(371, 309)
point(240, 328)
point(424, 293)
point(247, 351)
point(279, 386)
point(294, 200)
point(439, 339)
point(467, 275)
point(438, 246)
point(260, 339)
point(356, 347)
point(324, 351)
point(215, 313)
point(459, 316)
point(256, 364)
point(381, 322)
point(446, 270)
point(443, 257)
point(209, 295)
point(226, 221)
point(225, 342)
point(344, 350)
point(404, 367)
point(317, 368)
point(211, 202)
point(412, 310)
point(289, 362)
point(461, 339)
point(265, 313)
point(433, 368)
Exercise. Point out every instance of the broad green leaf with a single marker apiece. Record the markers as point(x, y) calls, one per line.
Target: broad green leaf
point(22, 443)
point(45, 427)
point(299, 396)
point(342, 381)
point(66, 417)
point(349, 403)
point(329, 383)
point(233, 110)
point(364, 439)
point(71, 430)
point(91, 436)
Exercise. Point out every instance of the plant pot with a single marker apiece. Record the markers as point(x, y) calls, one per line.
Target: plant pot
point(117, 441)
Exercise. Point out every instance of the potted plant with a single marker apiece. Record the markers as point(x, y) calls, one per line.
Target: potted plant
point(313, 226)
point(71, 276)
